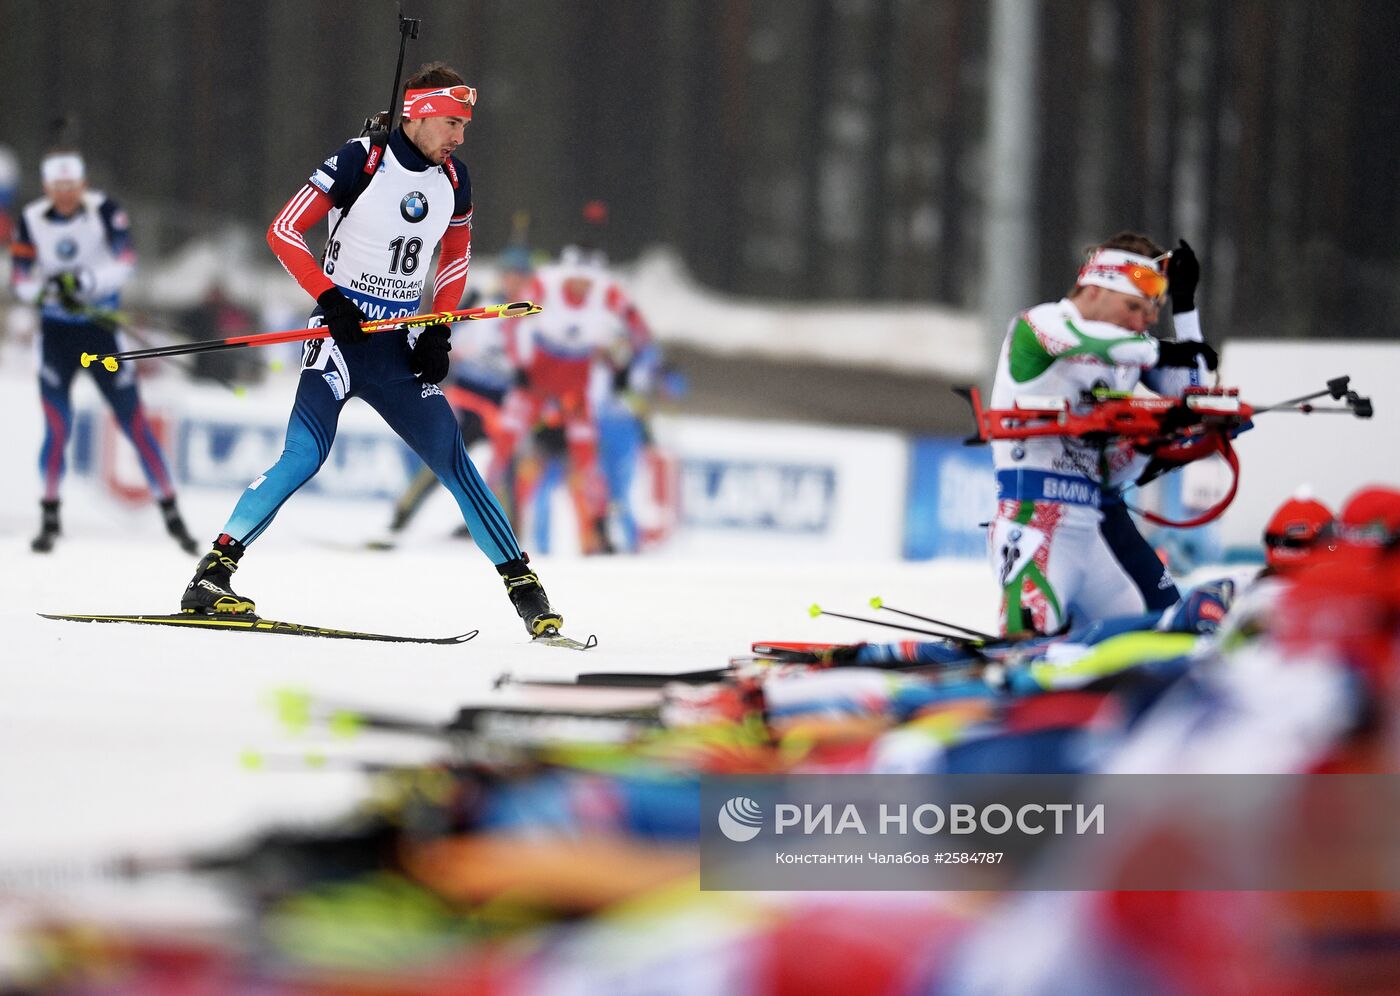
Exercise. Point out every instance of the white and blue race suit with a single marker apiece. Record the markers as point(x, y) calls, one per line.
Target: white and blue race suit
point(94, 244)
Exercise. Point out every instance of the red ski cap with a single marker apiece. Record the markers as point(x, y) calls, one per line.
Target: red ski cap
point(1371, 515)
point(1293, 531)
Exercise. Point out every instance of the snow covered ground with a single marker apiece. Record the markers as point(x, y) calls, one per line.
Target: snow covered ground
point(125, 740)
point(118, 740)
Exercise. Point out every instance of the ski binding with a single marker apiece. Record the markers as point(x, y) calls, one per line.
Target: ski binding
point(551, 637)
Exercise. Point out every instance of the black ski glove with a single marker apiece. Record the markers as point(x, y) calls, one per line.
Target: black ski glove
point(429, 357)
point(1178, 417)
point(1183, 353)
point(64, 287)
point(343, 317)
point(1183, 274)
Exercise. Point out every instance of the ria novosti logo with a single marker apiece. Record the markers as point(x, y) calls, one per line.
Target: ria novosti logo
point(740, 819)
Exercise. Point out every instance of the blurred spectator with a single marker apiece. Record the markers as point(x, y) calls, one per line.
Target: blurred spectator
point(217, 316)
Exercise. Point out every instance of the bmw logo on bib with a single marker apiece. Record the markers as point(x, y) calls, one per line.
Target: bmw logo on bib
point(414, 207)
point(67, 248)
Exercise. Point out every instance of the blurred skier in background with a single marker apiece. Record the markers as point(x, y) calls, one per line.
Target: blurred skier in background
point(549, 419)
point(625, 384)
point(72, 254)
point(9, 193)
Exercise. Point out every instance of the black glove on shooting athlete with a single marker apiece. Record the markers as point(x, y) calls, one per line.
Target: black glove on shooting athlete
point(429, 357)
point(1183, 274)
point(343, 317)
point(1183, 353)
point(64, 287)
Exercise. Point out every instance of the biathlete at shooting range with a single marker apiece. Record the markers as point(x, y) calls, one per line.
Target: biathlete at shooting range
point(1069, 436)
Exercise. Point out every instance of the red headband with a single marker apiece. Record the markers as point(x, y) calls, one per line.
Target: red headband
point(439, 102)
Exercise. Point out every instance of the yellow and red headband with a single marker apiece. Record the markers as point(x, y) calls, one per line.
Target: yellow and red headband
point(439, 102)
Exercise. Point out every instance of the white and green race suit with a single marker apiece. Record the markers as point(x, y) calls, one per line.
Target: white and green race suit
point(1051, 562)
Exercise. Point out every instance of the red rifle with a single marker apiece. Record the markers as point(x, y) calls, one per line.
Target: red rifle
point(1176, 431)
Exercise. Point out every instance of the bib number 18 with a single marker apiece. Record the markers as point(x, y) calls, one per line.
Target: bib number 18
point(403, 254)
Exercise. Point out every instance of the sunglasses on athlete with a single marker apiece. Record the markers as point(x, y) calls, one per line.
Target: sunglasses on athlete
point(1152, 282)
point(462, 94)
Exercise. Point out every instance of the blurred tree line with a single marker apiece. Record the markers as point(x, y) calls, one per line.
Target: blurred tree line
point(789, 149)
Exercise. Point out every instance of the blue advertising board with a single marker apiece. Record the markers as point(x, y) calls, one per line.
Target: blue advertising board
point(951, 491)
point(757, 495)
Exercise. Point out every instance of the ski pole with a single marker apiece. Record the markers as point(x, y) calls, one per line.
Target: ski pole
point(620, 679)
point(117, 320)
point(878, 603)
point(517, 309)
point(817, 610)
point(298, 712)
point(111, 320)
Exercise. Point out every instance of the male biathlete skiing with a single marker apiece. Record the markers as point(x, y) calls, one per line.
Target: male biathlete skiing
point(389, 207)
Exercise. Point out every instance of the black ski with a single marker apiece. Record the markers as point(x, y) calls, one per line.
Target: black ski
point(242, 623)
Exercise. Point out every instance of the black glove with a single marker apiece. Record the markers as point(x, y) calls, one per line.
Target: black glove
point(621, 379)
point(343, 317)
point(551, 441)
point(1178, 417)
point(522, 379)
point(1183, 353)
point(429, 357)
point(1183, 274)
point(64, 286)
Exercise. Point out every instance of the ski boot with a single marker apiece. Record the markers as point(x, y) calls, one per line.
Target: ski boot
point(175, 526)
point(603, 544)
point(210, 590)
point(48, 528)
point(529, 598)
